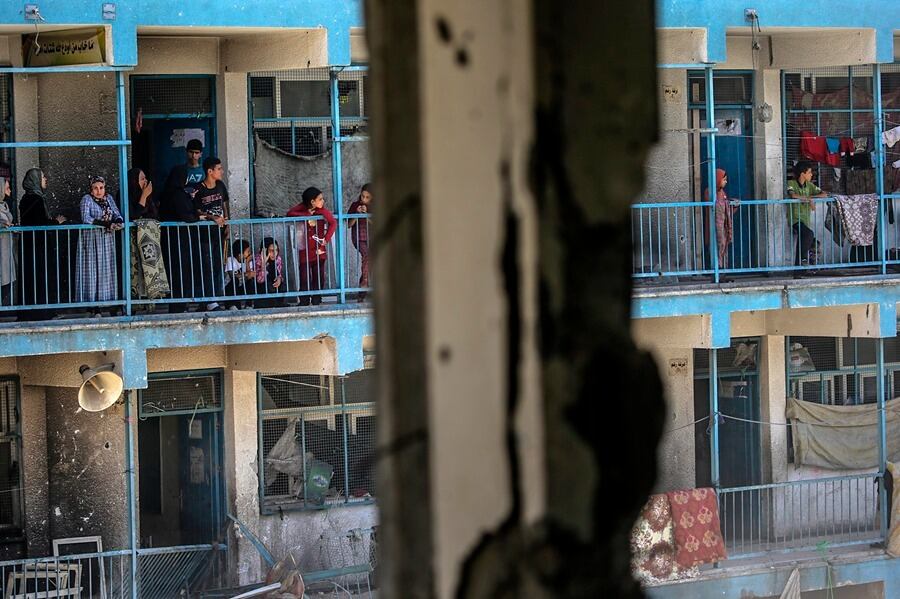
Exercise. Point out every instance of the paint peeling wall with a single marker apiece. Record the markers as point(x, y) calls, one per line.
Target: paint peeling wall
point(281, 177)
point(86, 463)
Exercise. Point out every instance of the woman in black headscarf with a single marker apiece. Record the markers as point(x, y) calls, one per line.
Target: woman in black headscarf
point(42, 283)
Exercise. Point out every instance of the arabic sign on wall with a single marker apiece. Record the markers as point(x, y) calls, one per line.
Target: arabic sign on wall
point(62, 48)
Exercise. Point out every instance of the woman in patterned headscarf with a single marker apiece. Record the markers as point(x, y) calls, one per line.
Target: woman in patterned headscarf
point(95, 275)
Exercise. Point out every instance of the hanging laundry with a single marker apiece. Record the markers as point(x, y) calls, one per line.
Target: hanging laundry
point(861, 143)
point(834, 145)
point(837, 173)
point(698, 534)
point(896, 164)
point(813, 147)
point(860, 160)
point(653, 544)
point(858, 214)
point(891, 137)
point(847, 146)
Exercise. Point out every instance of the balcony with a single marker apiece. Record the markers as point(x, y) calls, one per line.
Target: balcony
point(73, 271)
point(673, 244)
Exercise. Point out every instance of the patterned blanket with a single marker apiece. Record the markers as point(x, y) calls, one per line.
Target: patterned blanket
point(698, 534)
point(653, 545)
point(148, 271)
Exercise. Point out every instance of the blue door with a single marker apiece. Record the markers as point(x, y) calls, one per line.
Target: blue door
point(734, 154)
point(167, 138)
point(166, 112)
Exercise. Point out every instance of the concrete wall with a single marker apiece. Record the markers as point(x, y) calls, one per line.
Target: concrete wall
point(310, 536)
point(282, 177)
point(86, 464)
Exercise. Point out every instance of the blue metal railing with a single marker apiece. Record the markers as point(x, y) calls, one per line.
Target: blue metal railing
point(795, 515)
point(680, 239)
point(89, 267)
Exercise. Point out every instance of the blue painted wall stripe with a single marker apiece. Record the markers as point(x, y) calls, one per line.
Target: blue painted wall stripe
point(337, 17)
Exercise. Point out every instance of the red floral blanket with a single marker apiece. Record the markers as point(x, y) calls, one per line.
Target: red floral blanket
point(698, 534)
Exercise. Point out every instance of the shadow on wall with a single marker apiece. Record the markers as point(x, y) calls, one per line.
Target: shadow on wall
point(280, 177)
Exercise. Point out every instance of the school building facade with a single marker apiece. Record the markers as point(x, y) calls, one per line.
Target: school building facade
point(233, 425)
point(778, 368)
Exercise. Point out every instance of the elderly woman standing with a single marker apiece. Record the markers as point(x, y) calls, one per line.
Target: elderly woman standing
point(96, 266)
point(7, 247)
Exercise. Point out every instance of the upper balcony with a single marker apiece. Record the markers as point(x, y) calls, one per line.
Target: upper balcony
point(756, 121)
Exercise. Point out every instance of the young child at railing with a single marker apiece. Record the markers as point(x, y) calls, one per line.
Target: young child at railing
point(269, 270)
point(724, 211)
point(239, 273)
point(359, 234)
point(802, 188)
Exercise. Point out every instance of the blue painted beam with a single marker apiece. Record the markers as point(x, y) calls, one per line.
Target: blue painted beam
point(770, 581)
point(716, 16)
point(135, 335)
point(338, 17)
point(704, 301)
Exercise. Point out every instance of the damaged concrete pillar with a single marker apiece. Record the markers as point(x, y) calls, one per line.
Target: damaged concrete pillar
point(518, 423)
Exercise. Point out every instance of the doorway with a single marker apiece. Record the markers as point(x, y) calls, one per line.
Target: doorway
point(166, 113)
point(179, 456)
point(733, 101)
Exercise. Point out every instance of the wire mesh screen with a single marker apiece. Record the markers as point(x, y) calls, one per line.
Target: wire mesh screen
point(291, 128)
point(317, 440)
point(829, 120)
point(10, 459)
point(172, 95)
point(181, 393)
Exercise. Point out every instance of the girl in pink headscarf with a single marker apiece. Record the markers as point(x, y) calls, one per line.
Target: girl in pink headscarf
point(725, 210)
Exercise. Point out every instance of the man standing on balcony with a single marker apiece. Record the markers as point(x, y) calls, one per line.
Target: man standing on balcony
point(803, 189)
point(211, 204)
point(182, 176)
point(176, 205)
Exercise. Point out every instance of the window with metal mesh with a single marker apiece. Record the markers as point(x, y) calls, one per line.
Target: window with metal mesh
point(317, 440)
point(837, 102)
point(11, 515)
point(729, 89)
point(840, 371)
point(182, 393)
point(172, 95)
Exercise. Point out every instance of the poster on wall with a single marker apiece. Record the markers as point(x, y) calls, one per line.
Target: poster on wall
point(181, 137)
point(64, 48)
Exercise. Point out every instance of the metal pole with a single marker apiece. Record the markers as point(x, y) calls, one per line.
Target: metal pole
point(711, 174)
point(882, 436)
point(123, 192)
point(337, 182)
point(130, 411)
point(714, 417)
point(879, 164)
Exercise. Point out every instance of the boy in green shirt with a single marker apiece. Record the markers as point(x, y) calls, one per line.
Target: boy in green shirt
point(802, 188)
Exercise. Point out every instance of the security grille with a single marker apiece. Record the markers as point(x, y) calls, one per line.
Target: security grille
point(838, 102)
point(10, 459)
point(840, 371)
point(172, 95)
point(292, 132)
point(317, 440)
point(181, 393)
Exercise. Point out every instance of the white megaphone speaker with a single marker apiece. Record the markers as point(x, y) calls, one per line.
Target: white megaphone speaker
point(101, 387)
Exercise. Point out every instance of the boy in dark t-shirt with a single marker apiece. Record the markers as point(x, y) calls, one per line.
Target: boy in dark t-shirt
point(211, 203)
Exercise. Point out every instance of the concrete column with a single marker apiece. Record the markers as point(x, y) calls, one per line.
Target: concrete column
point(675, 454)
point(489, 124)
point(241, 472)
point(769, 165)
point(233, 138)
point(772, 387)
point(33, 417)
